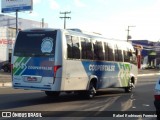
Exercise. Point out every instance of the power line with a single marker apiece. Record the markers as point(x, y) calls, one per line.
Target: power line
point(65, 17)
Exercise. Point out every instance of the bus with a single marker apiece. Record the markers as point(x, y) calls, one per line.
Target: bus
point(71, 60)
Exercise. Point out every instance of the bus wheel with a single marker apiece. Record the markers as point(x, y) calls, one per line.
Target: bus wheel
point(91, 91)
point(52, 94)
point(129, 88)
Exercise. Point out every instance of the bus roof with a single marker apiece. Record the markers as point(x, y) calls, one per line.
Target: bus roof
point(80, 32)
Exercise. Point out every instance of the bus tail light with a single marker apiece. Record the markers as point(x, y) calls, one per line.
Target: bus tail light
point(12, 70)
point(56, 67)
point(11, 67)
point(157, 95)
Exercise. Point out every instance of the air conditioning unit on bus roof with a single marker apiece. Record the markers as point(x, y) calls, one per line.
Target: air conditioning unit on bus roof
point(85, 32)
point(75, 29)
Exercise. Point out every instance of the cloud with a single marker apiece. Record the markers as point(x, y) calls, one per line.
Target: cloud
point(78, 3)
point(53, 4)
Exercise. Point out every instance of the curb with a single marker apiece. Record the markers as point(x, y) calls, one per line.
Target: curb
point(150, 74)
point(8, 84)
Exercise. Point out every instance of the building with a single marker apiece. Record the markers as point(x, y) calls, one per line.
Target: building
point(8, 33)
point(149, 53)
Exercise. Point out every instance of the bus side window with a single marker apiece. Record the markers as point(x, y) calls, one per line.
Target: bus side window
point(75, 47)
point(86, 49)
point(126, 57)
point(106, 51)
point(120, 56)
point(130, 53)
point(89, 52)
point(98, 50)
point(83, 48)
point(69, 46)
point(73, 50)
point(110, 51)
point(133, 58)
point(116, 52)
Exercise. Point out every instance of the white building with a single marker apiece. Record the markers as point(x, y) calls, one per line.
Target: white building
point(8, 33)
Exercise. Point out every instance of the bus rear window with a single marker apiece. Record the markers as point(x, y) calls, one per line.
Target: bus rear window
point(35, 43)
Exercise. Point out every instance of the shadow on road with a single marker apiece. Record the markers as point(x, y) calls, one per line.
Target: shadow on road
point(105, 100)
point(18, 100)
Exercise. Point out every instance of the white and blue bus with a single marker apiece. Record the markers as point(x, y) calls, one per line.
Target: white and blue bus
point(58, 60)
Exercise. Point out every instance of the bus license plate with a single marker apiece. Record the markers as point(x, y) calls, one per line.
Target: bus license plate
point(31, 79)
point(28, 78)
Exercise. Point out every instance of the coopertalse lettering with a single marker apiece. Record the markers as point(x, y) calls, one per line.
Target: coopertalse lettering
point(39, 68)
point(102, 67)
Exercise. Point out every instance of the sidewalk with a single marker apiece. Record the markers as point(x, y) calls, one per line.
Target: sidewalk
point(5, 78)
point(148, 72)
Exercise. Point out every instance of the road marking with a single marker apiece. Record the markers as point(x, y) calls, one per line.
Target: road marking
point(146, 105)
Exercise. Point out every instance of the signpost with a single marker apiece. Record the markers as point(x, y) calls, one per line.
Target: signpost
point(139, 49)
point(16, 5)
point(8, 6)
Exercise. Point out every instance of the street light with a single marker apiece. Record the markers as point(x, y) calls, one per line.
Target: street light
point(128, 36)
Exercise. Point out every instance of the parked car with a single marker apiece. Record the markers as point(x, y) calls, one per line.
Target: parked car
point(6, 66)
point(2, 63)
point(157, 99)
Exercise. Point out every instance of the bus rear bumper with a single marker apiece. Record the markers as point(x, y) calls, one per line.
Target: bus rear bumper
point(45, 88)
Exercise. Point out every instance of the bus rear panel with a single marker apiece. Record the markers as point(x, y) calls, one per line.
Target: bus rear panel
point(33, 60)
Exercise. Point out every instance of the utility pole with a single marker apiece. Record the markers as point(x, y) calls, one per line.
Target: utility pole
point(128, 36)
point(42, 22)
point(65, 17)
point(16, 21)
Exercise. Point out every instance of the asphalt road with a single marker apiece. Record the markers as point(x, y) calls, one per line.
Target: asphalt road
point(106, 102)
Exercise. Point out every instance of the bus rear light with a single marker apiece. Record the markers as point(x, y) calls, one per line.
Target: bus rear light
point(56, 67)
point(157, 95)
point(11, 70)
point(11, 67)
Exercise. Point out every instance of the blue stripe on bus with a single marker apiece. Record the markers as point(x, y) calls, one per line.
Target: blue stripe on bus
point(110, 74)
point(40, 67)
point(101, 69)
point(107, 72)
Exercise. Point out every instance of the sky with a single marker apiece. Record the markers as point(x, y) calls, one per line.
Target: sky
point(111, 18)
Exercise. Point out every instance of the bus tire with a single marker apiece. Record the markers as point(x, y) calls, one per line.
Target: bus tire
point(91, 91)
point(129, 88)
point(52, 93)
